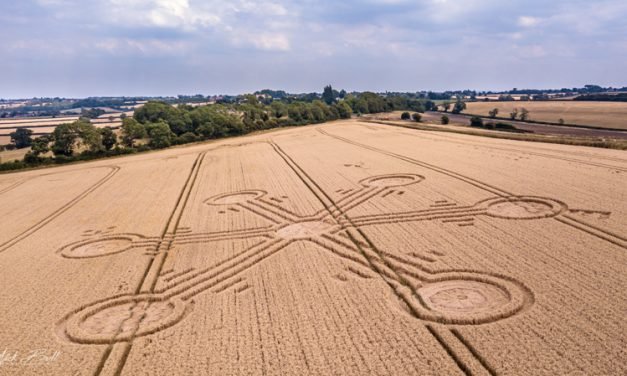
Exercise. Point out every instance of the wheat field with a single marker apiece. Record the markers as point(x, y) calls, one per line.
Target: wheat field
point(345, 248)
point(598, 114)
point(47, 125)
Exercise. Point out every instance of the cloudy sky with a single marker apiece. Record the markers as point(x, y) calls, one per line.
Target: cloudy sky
point(169, 47)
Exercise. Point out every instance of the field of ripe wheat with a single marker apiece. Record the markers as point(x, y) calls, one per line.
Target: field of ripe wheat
point(344, 248)
point(46, 125)
point(598, 114)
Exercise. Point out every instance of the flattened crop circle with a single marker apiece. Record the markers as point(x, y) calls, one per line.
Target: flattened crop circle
point(394, 180)
point(234, 197)
point(524, 208)
point(463, 296)
point(97, 248)
point(123, 319)
point(471, 298)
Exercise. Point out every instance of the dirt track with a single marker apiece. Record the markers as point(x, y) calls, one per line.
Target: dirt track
point(345, 248)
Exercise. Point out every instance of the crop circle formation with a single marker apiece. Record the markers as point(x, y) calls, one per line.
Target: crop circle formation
point(524, 208)
point(235, 197)
point(393, 180)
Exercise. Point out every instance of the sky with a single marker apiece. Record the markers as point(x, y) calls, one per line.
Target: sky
point(80, 48)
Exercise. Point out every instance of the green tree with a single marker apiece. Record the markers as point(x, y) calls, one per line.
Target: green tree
point(361, 106)
point(459, 106)
point(279, 109)
point(444, 119)
point(374, 102)
point(160, 134)
point(109, 138)
point(446, 106)
point(320, 111)
point(328, 96)
point(89, 136)
point(186, 138)
point(345, 111)
point(476, 121)
point(252, 99)
point(294, 113)
point(41, 144)
point(92, 113)
point(21, 138)
point(405, 116)
point(514, 114)
point(65, 136)
point(493, 113)
point(31, 158)
point(417, 117)
point(216, 121)
point(524, 114)
point(153, 112)
point(132, 130)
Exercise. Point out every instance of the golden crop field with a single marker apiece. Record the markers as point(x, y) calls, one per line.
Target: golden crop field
point(47, 125)
point(599, 114)
point(345, 248)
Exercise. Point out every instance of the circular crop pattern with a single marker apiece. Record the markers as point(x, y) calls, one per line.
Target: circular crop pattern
point(467, 298)
point(463, 296)
point(395, 180)
point(97, 248)
point(123, 319)
point(304, 230)
point(234, 197)
point(523, 208)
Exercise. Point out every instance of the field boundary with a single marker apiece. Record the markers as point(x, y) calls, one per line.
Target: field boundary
point(615, 144)
point(567, 125)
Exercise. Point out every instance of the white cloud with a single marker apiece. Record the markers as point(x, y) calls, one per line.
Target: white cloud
point(527, 21)
point(276, 42)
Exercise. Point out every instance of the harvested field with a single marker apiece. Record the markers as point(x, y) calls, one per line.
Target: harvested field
point(345, 248)
point(12, 155)
point(41, 130)
point(598, 114)
point(42, 126)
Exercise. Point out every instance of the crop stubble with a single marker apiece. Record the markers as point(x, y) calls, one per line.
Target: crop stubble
point(334, 249)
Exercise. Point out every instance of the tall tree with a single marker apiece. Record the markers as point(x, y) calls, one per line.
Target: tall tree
point(328, 96)
point(65, 136)
point(345, 111)
point(132, 130)
point(109, 139)
point(459, 106)
point(160, 135)
point(40, 145)
point(22, 138)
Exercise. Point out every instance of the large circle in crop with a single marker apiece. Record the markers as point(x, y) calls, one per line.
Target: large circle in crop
point(394, 180)
point(234, 197)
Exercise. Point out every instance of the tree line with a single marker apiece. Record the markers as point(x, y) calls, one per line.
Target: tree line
point(159, 125)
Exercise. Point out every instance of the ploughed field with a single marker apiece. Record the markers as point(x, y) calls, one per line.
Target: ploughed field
point(598, 114)
point(345, 248)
